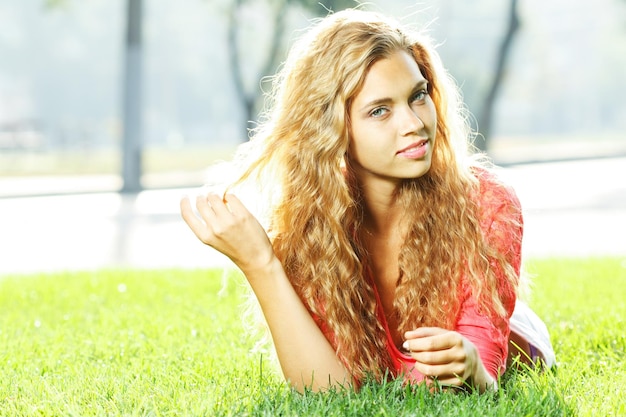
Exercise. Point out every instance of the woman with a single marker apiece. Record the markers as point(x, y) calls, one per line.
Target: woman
point(388, 250)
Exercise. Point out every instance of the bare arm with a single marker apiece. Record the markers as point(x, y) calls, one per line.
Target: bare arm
point(306, 357)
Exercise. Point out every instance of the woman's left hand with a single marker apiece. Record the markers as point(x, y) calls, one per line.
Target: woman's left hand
point(447, 357)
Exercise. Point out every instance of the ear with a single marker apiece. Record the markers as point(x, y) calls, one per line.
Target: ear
point(348, 129)
point(348, 133)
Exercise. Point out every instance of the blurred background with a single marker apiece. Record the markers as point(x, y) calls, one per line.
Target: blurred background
point(110, 109)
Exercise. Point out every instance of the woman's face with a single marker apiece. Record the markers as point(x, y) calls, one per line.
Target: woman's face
point(392, 122)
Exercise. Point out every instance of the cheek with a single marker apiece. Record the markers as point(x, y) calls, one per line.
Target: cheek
point(355, 138)
point(359, 147)
point(433, 113)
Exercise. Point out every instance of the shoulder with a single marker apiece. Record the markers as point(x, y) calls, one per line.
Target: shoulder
point(499, 211)
point(493, 194)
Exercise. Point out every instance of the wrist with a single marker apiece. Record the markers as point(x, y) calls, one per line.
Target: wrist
point(482, 380)
point(479, 378)
point(259, 265)
point(265, 277)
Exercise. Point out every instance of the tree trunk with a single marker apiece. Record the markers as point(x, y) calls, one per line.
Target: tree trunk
point(132, 106)
point(485, 120)
point(249, 99)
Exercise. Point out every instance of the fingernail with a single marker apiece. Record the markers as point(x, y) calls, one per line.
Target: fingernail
point(405, 345)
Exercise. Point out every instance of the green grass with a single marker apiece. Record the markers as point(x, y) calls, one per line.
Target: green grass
point(170, 343)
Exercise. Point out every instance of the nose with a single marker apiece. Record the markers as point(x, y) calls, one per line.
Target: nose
point(410, 121)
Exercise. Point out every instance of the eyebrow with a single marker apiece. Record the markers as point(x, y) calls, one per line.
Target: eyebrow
point(423, 83)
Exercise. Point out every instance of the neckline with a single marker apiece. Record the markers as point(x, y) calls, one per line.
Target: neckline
point(380, 313)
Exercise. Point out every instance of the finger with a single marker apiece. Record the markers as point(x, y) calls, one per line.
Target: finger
point(448, 383)
point(428, 344)
point(222, 205)
point(235, 205)
point(451, 381)
point(424, 332)
point(448, 373)
point(197, 226)
point(205, 209)
point(186, 210)
point(438, 357)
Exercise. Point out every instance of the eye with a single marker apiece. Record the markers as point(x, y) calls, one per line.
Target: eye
point(419, 95)
point(378, 112)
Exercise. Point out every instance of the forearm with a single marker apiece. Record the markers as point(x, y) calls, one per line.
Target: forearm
point(488, 337)
point(306, 357)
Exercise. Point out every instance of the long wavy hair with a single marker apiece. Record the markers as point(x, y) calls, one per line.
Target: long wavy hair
point(315, 210)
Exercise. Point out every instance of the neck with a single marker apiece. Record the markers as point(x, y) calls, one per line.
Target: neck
point(382, 213)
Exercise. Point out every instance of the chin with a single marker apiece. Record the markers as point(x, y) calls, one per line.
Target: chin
point(421, 171)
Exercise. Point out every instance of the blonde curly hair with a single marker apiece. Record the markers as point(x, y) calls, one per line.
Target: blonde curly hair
point(314, 205)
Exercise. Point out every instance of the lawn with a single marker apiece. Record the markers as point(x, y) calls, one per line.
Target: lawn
point(173, 342)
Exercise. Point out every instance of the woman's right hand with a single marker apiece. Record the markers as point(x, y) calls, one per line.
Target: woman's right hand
point(227, 226)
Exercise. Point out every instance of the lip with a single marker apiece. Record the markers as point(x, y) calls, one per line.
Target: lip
point(415, 150)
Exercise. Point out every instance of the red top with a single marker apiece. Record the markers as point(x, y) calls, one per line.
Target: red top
point(502, 225)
